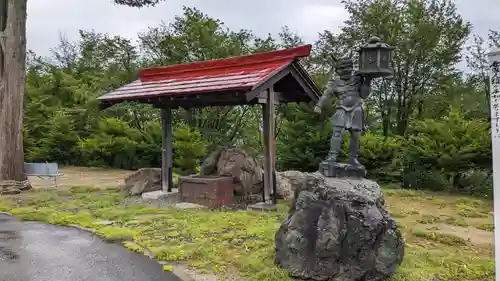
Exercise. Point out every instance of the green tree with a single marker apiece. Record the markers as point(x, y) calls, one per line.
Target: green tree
point(13, 16)
point(442, 153)
point(138, 3)
point(303, 140)
point(195, 36)
point(477, 62)
point(428, 36)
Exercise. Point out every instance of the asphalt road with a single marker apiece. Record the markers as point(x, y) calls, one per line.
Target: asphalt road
point(32, 251)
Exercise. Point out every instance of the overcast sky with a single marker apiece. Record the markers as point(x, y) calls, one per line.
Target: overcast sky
point(48, 18)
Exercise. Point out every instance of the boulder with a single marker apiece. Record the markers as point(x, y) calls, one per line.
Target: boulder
point(339, 230)
point(236, 163)
point(143, 180)
point(287, 182)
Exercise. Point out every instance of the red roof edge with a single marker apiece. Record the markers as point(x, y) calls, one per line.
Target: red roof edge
point(153, 73)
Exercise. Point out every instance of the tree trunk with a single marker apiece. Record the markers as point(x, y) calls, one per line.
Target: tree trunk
point(12, 79)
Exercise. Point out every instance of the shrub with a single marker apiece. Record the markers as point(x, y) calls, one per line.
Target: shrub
point(441, 153)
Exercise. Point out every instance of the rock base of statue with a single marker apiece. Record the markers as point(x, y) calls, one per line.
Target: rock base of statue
point(341, 170)
point(339, 230)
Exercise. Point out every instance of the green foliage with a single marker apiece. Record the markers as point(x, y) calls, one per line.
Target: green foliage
point(428, 36)
point(303, 139)
point(382, 156)
point(437, 112)
point(137, 3)
point(442, 152)
point(119, 145)
point(189, 148)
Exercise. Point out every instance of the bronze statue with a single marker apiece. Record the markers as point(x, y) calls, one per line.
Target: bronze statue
point(350, 89)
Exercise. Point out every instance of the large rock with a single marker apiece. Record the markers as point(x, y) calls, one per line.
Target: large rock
point(287, 182)
point(143, 180)
point(339, 230)
point(236, 163)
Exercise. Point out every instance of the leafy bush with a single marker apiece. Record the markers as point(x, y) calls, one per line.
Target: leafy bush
point(56, 141)
point(441, 153)
point(382, 156)
point(115, 145)
point(304, 138)
point(119, 145)
point(189, 148)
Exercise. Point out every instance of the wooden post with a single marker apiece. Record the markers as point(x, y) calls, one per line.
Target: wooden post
point(166, 155)
point(494, 58)
point(268, 136)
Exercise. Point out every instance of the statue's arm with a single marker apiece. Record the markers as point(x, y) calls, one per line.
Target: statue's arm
point(365, 87)
point(328, 92)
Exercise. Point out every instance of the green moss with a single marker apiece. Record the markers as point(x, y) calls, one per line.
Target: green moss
point(445, 263)
point(407, 193)
point(471, 211)
point(456, 221)
point(487, 226)
point(470, 202)
point(112, 233)
point(214, 241)
point(472, 214)
point(428, 219)
point(133, 247)
point(447, 239)
point(82, 189)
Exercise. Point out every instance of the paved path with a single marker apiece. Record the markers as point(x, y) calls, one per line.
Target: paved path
point(38, 252)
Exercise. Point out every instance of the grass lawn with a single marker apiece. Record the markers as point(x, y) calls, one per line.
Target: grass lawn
point(448, 237)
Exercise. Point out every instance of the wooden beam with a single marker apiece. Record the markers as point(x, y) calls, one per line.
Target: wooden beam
point(263, 97)
point(166, 156)
point(269, 146)
point(201, 100)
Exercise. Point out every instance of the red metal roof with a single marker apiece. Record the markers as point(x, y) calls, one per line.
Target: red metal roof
point(231, 74)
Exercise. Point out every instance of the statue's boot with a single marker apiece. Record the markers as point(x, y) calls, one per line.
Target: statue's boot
point(354, 149)
point(335, 143)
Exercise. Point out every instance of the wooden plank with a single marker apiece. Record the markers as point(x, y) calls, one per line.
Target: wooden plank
point(278, 97)
point(166, 159)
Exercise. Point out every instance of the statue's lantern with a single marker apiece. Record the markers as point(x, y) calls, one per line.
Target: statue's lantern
point(375, 59)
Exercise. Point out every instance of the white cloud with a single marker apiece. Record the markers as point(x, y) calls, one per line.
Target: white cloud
point(48, 18)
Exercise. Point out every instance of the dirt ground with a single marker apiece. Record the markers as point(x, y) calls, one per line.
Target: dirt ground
point(81, 176)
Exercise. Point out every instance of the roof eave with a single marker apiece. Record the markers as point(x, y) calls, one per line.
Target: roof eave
point(313, 91)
